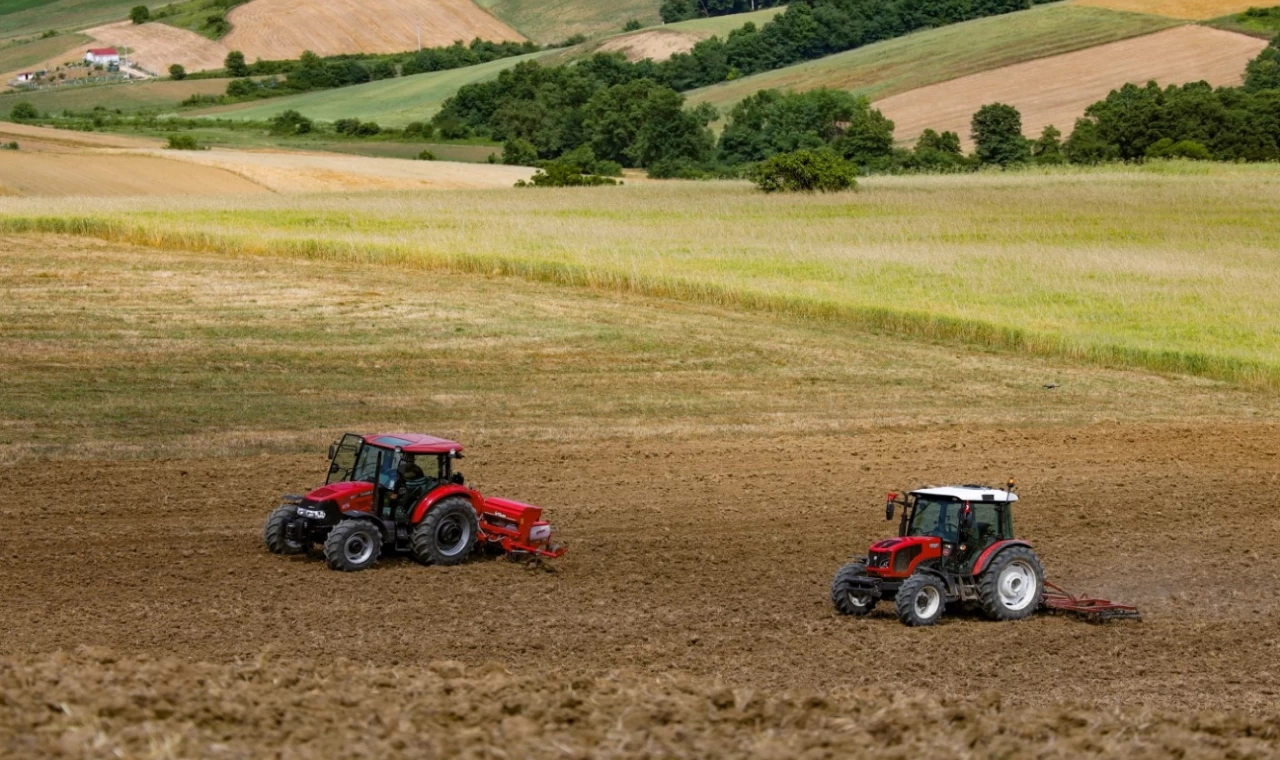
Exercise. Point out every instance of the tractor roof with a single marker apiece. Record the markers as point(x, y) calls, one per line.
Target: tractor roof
point(967, 493)
point(414, 443)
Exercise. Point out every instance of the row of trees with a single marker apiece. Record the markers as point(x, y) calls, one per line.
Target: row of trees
point(683, 10)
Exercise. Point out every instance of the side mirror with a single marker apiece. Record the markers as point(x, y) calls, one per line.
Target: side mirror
point(333, 449)
point(333, 467)
point(888, 510)
point(966, 518)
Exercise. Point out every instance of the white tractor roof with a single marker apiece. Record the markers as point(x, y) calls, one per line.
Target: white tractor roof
point(967, 493)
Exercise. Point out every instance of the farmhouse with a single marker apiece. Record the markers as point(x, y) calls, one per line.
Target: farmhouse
point(102, 55)
point(26, 76)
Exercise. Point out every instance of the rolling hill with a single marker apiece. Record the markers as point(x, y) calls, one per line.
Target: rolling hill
point(1198, 10)
point(21, 18)
point(937, 55)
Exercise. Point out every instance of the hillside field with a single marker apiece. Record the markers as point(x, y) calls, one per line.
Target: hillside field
point(390, 102)
point(28, 54)
point(23, 18)
point(163, 94)
point(654, 365)
point(938, 55)
point(1200, 10)
point(1057, 90)
point(660, 42)
point(551, 21)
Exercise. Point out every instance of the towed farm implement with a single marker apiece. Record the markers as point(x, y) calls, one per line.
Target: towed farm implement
point(956, 544)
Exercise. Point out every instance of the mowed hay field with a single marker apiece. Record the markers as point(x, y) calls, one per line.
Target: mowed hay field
point(1188, 9)
point(157, 46)
point(1057, 90)
point(937, 55)
point(130, 97)
point(23, 18)
point(64, 174)
point(275, 29)
point(193, 388)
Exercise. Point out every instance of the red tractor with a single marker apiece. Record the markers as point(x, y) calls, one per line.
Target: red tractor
point(956, 544)
point(379, 497)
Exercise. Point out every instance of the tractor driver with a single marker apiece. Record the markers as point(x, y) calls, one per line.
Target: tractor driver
point(411, 469)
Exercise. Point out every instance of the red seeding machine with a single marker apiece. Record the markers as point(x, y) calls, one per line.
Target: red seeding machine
point(956, 544)
point(399, 493)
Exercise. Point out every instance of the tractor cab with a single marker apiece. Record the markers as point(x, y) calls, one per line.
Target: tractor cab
point(967, 519)
point(403, 468)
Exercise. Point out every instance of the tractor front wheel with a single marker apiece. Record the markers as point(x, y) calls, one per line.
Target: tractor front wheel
point(920, 600)
point(850, 592)
point(353, 545)
point(274, 532)
point(447, 535)
point(1012, 586)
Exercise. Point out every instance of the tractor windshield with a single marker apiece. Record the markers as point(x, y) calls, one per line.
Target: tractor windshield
point(936, 518)
point(344, 459)
point(369, 465)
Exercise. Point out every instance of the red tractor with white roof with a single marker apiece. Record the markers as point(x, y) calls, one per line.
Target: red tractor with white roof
point(956, 544)
point(399, 492)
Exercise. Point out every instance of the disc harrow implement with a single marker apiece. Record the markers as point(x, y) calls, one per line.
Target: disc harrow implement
point(1091, 608)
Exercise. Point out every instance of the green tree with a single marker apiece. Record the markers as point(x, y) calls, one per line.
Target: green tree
point(1048, 149)
point(235, 64)
point(182, 142)
point(632, 25)
point(23, 111)
point(1188, 149)
point(177, 72)
point(519, 152)
point(1086, 145)
point(822, 170)
point(997, 133)
point(140, 14)
point(290, 123)
point(670, 132)
point(1263, 72)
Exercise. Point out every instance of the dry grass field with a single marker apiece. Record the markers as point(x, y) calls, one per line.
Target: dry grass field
point(158, 46)
point(709, 468)
point(1188, 9)
point(274, 29)
point(1057, 90)
point(80, 174)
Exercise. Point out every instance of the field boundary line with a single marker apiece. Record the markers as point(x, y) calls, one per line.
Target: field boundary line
point(971, 333)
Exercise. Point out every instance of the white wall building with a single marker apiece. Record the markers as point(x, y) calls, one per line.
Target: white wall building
point(102, 55)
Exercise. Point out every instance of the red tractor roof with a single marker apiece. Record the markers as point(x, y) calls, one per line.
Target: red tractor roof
point(414, 443)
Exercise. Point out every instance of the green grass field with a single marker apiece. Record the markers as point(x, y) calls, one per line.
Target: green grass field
point(21, 18)
point(391, 102)
point(937, 55)
point(1168, 267)
point(718, 25)
point(1263, 22)
point(132, 97)
point(26, 53)
point(550, 21)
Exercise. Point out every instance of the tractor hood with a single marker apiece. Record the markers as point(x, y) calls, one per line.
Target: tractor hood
point(890, 544)
point(341, 492)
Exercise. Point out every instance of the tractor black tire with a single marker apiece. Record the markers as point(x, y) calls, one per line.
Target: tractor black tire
point(353, 545)
point(448, 534)
point(920, 600)
point(273, 532)
point(848, 596)
point(1003, 585)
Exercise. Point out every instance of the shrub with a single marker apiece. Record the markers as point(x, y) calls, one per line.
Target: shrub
point(346, 126)
point(10, 145)
point(235, 64)
point(419, 129)
point(1047, 151)
point(177, 72)
point(821, 170)
point(997, 132)
point(23, 111)
point(368, 129)
point(48, 34)
point(140, 14)
point(564, 174)
point(426, 155)
point(182, 142)
point(519, 152)
point(241, 88)
point(632, 25)
point(1188, 149)
point(290, 123)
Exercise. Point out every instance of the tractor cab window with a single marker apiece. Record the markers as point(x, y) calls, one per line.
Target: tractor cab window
point(989, 523)
point(344, 460)
point(370, 468)
point(936, 518)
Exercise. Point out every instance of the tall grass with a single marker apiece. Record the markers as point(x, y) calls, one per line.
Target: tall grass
point(1160, 269)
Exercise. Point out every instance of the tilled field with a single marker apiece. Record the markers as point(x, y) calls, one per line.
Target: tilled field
point(689, 619)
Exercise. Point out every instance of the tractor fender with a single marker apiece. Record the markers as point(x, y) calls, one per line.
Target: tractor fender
point(358, 515)
point(439, 494)
point(990, 552)
point(927, 567)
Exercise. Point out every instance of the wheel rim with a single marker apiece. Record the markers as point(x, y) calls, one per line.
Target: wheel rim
point(927, 602)
point(1017, 585)
point(452, 535)
point(358, 549)
point(857, 600)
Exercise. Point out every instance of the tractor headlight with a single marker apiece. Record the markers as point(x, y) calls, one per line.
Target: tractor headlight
point(314, 514)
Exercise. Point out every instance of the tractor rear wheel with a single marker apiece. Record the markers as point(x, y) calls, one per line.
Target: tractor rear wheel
point(920, 600)
point(1012, 586)
point(353, 545)
point(447, 535)
point(849, 591)
point(273, 533)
